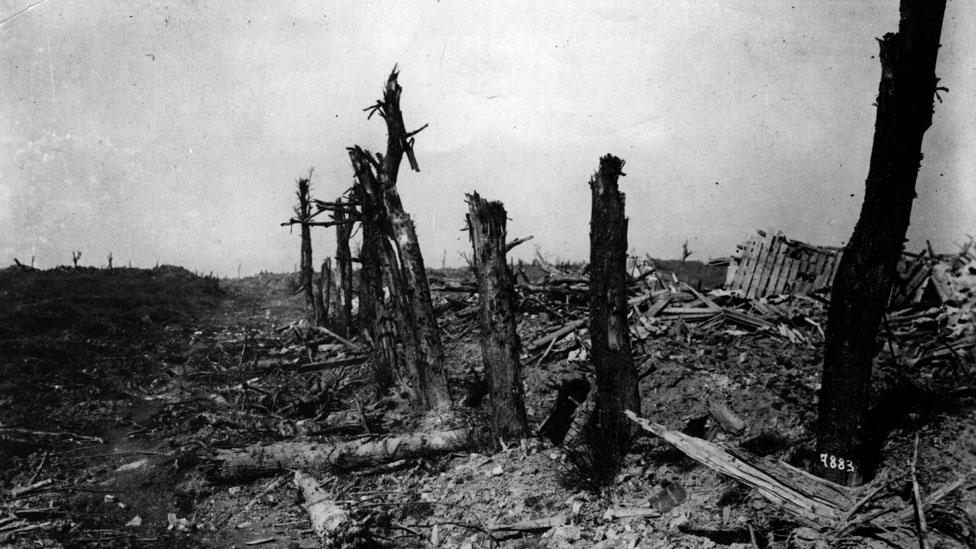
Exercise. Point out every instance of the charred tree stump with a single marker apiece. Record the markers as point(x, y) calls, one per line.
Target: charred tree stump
point(344, 268)
point(496, 296)
point(867, 269)
point(616, 376)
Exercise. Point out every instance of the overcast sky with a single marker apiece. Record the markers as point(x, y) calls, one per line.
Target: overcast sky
point(173, 132)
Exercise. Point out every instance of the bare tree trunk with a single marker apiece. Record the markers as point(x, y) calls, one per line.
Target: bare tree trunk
point(395, 311)
point(865, 274)
point(616, 376)
point(325, 289)
point(374, 314)
point(344, 266)
point(304, 212)
point(499, 340)
point(418, 318)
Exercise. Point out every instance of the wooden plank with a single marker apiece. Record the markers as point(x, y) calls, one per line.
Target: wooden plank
point(815, 259)
point(823, 271)
point(783, 278)
point(802, 281)
point(769, 260)
point(819, 267)
point(757, 271)
point(789, 271)
point(799, 268)
point(786, 282)
point(741, 265)
point(816, 265)
point(805, 496)
point(746, 263)
point(828, 272)
point(775, 285)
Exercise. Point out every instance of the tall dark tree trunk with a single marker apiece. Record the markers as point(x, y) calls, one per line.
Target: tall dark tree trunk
point(616, 376)
point(325, 288)
point(500, 344)
point(344, 270)
point(304, 213)
point(865, 274)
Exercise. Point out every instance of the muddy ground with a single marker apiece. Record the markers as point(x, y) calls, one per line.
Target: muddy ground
point(117, 385)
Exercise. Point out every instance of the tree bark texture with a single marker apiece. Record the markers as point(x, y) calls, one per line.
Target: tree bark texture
point(304, 212)
point(374, 307)
point(500, 347)
point(344, 268)
point(378, 176)
point(616, 376)
point(376, 231)
point(865, 274)
point(325, 288)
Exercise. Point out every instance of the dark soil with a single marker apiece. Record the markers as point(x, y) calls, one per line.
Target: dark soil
point(116, 385)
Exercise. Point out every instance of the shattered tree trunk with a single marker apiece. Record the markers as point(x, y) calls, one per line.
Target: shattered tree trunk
point(616, 376)
point(374, 314)
point(865, 274)
point(496, 296)
point(397, 309)
point(344, 268)
point(428, 364)
point(304, 212)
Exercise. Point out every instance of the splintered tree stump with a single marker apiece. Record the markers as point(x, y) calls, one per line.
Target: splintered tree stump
point(399, 251)
point(868, 266)
point(374, 312)
point(616, 376)
point(496, 297)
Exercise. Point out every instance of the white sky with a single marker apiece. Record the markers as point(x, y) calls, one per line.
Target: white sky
point(174, 132)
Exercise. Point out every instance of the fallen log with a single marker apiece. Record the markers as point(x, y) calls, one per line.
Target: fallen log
point(326, 517)
point(817, 501)
point(567, 328)
point(332, 364)
point(263, 459)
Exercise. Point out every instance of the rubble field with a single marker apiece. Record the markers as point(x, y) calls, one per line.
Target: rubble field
point(125, 392)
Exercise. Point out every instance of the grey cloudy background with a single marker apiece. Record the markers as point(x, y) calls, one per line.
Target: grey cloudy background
point(174, 131)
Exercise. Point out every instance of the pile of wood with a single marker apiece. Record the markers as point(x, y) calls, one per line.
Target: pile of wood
point(936, 320)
